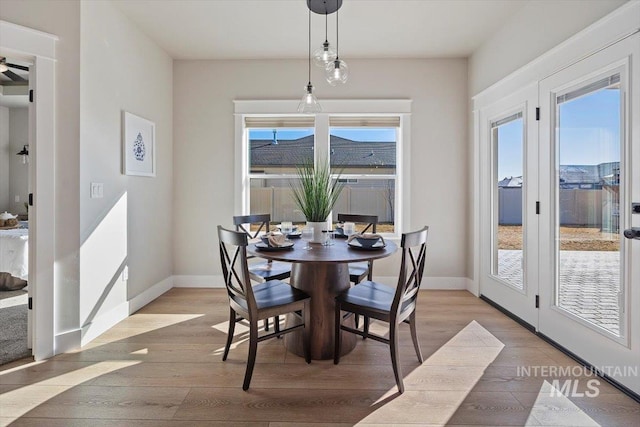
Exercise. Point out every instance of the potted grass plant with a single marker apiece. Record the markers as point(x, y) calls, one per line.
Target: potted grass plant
point(316, 193)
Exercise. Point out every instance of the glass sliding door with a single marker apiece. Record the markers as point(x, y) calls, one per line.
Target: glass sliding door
point(589, 177)
point(587, 187)
point(509, 191)
point(507, 135)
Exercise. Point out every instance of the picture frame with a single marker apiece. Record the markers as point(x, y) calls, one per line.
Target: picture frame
point(138, 145)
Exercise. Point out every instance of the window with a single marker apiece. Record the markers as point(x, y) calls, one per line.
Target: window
point(365, 149)
point(274, 152)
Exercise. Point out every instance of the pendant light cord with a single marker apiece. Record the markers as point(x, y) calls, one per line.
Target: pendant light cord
point(309, 56)
point(337, 33)
point(326, 26)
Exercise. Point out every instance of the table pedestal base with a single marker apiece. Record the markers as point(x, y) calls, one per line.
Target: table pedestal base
point(321, 281)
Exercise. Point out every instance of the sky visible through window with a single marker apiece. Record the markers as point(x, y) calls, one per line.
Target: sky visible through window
point(589, 133)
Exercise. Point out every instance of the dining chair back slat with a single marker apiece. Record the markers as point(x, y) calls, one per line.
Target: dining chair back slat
point(237, 283)
point(262, 220)
point(371, 221)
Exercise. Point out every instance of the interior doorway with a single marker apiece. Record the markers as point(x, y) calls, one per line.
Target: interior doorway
point(38, 48)
point(14, 209)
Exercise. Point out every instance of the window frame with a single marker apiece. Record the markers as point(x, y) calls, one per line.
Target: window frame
point(276, 108)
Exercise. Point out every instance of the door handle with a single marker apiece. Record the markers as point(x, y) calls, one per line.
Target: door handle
point(632, 233)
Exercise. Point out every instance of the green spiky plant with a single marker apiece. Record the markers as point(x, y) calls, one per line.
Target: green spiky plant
point(316, 192)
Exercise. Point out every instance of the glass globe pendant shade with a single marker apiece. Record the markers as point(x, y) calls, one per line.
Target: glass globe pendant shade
point(324, 54)
point(309, 104)
point(337, 72)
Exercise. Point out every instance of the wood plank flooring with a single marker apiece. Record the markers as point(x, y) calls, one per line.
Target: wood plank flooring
point(162, 367)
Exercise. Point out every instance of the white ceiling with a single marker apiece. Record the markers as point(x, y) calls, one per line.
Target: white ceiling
point(258, 29)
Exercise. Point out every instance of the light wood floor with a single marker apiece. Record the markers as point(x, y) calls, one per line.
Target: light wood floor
point(162, 367)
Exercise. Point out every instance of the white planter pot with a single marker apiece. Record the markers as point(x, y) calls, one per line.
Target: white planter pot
point(318, 228)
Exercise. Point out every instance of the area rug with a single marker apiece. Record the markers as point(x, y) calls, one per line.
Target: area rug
point(13, 326)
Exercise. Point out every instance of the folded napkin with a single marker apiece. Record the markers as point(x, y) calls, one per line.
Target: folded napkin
point(274, 240)
point(366, 236)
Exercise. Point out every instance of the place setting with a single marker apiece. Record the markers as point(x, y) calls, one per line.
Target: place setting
point(366, 241)
point(271, 242)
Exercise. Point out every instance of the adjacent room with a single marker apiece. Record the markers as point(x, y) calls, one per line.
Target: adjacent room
point(320, 212)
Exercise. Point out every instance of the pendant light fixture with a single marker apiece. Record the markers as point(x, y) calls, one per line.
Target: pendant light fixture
point(337, 71)
point(309, 104)
point(324, 54)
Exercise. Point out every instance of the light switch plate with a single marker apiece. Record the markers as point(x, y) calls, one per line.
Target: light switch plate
point(97, 190)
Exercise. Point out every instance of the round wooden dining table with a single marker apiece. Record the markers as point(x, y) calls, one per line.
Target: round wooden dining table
point(322, 272)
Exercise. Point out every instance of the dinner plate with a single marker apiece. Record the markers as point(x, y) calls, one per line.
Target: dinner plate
point(356, 245)
point(294, 235)
point(265, 248)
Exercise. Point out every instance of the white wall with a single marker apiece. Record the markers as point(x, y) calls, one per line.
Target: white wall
point(18, 172)
point(204, 147)
point(537, 27)
point(5, 149)
point(121, 69)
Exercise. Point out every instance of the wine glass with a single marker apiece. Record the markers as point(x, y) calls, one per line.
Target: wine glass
point(307, 236)
point(286, 228)
point(349, 228)
point(327, 237)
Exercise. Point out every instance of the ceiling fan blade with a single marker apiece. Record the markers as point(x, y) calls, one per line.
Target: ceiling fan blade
point(16, 66)
point(13, 76)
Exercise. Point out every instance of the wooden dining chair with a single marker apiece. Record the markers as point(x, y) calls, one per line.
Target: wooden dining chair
point(257, 302)
point(358, 271)
point(384, 303)
point(266, 270)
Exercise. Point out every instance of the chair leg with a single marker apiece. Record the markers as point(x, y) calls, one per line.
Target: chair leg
point(356, 315)
point(337, 343)
point(276, 325)
point(367, 321)
point(414, 335)
point(232, 328)
point(393, 345)
point(251, 359)
point(266, 324)
point(306, 332)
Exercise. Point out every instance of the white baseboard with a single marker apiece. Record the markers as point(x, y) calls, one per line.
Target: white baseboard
point(67, 341)
point(104, 322)
point(144, 298)
point(185, 281)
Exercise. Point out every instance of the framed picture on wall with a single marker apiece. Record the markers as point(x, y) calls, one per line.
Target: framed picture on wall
point(138, 145)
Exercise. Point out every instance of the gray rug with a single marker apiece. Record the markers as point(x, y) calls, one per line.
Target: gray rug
point(13, 326)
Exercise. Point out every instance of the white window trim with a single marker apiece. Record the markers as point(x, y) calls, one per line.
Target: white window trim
point(398, 107)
